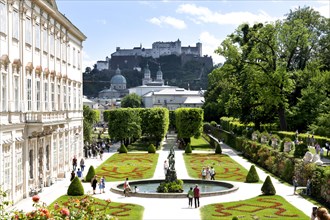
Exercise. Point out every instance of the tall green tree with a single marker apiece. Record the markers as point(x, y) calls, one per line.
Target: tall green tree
point(90, 118)
point(155, 123)
point(131, 101)
point(124, 125)
point(261, 79)
point(189, 123)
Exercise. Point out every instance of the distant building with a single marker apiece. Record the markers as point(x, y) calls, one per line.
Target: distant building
point(117, 87)
point(103, 64)
point(173, 98)
point(131, 58)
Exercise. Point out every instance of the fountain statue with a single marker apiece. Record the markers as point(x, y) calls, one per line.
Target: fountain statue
point(171, 172)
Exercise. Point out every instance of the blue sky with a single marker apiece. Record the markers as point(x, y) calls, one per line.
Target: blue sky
point(126, 24)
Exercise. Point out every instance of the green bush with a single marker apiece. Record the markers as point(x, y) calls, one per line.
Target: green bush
point(235, 218)
point(252, 176)
point(213, 123)
point(218, 149)
point(268, 187)
point(75, 188)
point(90, 174)
point(188, 149)
point(173, 187)
point(122, 149)
point(151, 149)
point(300, 150)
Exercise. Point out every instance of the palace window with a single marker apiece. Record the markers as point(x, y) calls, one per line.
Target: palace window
point(29, 93)
point(47, 157)
point(31, 164)
point(38, 91)
point(78, 58)
point(45, 39)
point(51, 44)
point(52, 94)
point(16, 93)
point(74, 98)
point(28, 31)
point(74, 56)
point(37, 36)
point(15, 24)
point(7, 166)
point(54, 154)
point(59, 97)
point(64, 52)
point(64, 97)
point(19, 164)
point(3, 17)
point(4, 92)
point(69, 97)
point(58, 48)
point(46, 95)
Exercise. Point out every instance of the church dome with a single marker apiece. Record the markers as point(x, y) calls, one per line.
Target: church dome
point(118, 79)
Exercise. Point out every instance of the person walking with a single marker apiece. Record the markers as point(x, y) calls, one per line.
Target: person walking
point(309, 186)
point(203, 172)
point(102, 185)
point(82, 164)
point(79, 173)
point(190, 196)
point(94, 183)
point(212, 173)
point(72, 175)
point(165, 167)
point(74, 163)
point(127, 188)
point(196, 196)
point(295, 184)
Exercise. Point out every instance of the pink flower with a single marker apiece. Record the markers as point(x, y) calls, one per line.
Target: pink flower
point(108, 200)
point(56, 206)
point(65, 211)
point(35, 198)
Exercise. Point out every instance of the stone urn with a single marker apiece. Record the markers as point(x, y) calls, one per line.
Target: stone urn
point(264, 139)
point(254, 136)
point(274, 143)
point(287, 146)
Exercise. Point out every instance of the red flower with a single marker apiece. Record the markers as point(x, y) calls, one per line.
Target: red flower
point(65, 211)
point(35, 198)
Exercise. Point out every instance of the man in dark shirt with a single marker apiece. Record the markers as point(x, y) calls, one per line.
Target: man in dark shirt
point(196, 196)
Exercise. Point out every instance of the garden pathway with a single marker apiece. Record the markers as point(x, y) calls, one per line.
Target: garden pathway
point(166, 208)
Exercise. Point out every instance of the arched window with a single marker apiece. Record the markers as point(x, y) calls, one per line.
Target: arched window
point(31, 164)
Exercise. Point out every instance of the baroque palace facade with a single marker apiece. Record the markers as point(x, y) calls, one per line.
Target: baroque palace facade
point(41, 117)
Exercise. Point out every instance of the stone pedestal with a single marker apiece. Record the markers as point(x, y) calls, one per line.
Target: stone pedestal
point(170, 176)
point(287, 146)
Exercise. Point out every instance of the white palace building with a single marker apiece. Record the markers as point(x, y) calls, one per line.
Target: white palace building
point(41, 117)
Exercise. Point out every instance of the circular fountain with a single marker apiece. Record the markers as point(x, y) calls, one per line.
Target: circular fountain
point(148, 188)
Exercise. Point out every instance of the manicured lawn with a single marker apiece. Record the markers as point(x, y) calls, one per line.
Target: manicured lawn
point(200, 144)
point(131, 165)
point(123, 211)
point(225, 167)
point(260, 207)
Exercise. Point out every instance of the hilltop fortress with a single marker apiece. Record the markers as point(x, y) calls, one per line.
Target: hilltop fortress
point(130, 58)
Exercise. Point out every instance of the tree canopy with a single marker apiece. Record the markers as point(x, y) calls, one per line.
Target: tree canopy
point(273, 72)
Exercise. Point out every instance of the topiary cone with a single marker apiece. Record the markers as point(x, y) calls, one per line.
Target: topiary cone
point(90, 174)
point(218, 149)
point(75, 188)
point(252, 176)
point(268, 188)
point(188, 149)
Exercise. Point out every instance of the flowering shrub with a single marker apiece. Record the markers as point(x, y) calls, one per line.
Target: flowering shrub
point(85, 208)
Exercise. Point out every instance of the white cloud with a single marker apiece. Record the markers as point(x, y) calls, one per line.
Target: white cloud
point(168, 21)
point(211, 43)
point(205, 15)
point(101, 21)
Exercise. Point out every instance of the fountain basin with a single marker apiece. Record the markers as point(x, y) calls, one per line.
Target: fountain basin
point(148, 188)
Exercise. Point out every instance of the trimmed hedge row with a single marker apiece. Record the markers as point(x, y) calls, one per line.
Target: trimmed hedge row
point(281, 164)
point(306, 138)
